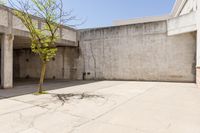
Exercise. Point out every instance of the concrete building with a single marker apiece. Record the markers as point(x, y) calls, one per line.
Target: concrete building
point(163, 48)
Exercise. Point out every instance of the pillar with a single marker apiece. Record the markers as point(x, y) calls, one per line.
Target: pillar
point(7, 61)
point(198, 44)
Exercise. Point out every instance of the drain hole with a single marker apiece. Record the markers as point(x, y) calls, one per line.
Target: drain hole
point(27, 77)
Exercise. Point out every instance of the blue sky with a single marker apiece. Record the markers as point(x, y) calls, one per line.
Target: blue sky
point(100, 13)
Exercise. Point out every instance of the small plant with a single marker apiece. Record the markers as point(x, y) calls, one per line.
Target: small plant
point(43, 92)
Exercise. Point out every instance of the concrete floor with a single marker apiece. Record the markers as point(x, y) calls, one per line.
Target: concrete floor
point(105, 107)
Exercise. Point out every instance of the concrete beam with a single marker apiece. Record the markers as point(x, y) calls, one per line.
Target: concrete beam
point(10, 24)
point(7, 61)
point(182, 24)
point(178, 6)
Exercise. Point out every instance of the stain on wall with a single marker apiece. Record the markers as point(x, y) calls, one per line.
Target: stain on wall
point(63, 66)
point(137, 52)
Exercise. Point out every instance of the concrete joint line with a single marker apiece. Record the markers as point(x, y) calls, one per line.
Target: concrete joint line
point(128, 100)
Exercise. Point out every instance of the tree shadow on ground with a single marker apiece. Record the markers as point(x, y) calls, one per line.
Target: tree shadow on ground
point(66, 97)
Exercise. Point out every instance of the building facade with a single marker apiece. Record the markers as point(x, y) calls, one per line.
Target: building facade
point(163, 48)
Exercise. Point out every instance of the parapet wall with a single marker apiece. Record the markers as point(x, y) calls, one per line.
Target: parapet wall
point(137, 52)
point(10, 24)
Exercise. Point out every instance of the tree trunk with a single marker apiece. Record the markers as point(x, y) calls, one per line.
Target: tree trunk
point(42, 76)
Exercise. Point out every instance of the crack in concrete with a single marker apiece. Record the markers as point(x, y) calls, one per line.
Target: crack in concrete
point(128, 100)
point(88, 121)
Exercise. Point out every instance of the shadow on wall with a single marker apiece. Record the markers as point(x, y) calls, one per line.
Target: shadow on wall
point(63, 66)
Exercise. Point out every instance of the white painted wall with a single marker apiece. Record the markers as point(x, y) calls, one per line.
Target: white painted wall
point(190, 6)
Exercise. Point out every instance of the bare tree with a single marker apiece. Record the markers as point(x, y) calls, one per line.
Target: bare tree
point(43, 39)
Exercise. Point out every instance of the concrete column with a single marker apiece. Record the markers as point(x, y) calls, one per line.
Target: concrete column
point(198, 59)
point(7, 61)
point(198, 44)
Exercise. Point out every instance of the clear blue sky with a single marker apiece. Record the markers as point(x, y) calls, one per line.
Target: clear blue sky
point(104, 12)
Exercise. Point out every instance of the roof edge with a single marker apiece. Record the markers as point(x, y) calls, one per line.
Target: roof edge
point(178, 6)
point(142, 20)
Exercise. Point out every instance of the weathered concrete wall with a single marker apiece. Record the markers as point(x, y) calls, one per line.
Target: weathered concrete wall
point(10, 21)
point(7, 61)
point(27, 65)
point(137, 52)
point(3, 17)
point(182, 24)
point(17, 24)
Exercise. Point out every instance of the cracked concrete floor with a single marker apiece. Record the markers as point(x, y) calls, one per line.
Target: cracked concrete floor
point(117, 107)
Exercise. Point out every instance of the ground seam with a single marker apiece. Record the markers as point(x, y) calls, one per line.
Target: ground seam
point(147, 90)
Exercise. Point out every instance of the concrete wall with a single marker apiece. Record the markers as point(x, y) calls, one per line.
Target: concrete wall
point(9, 21)
point(182, 24)
point(27, 65)
point(137, 52)
point(3, 17)
point(141, 20)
